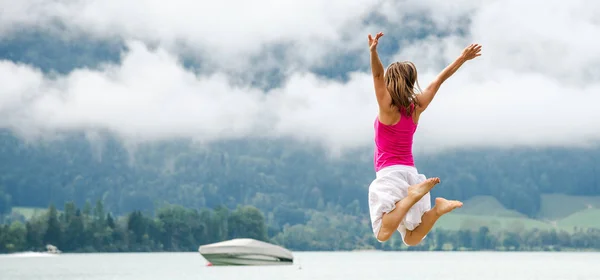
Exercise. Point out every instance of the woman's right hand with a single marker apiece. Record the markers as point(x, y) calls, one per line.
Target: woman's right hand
point(470, 52)
point(373, 42)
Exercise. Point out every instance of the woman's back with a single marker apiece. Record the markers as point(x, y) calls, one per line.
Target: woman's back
point(393, 143)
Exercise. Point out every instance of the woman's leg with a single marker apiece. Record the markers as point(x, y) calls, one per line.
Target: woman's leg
point(390, 221)
point(442, 206)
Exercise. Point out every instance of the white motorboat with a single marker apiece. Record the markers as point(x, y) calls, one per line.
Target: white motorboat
point(245, 251)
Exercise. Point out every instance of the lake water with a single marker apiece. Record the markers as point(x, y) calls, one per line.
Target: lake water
point(308, 265)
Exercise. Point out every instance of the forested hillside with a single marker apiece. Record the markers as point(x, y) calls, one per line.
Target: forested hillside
point(307, 200)
point(276, 176)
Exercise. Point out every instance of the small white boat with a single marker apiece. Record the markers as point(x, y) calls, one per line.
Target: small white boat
point(51, 249)
point(245, 251)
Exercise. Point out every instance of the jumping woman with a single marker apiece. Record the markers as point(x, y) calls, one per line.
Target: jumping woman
point(399, 196)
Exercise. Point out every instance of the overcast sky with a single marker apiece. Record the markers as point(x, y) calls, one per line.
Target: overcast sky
point(537, 82)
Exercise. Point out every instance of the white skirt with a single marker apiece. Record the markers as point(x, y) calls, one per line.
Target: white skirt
point(390, 186)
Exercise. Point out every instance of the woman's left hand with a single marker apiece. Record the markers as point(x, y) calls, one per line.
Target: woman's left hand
point(373, 42)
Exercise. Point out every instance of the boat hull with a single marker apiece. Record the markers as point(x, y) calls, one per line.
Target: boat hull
point(246, 251)
point(243, 259)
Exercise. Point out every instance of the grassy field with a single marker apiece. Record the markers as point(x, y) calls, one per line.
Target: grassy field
point(588, 218)
point(487, 206)
point(558, 206)
point(474, 222)
point(560, 212)
point(28, 212)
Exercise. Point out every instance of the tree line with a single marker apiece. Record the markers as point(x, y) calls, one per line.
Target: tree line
point(91, 229)
point(175, 228)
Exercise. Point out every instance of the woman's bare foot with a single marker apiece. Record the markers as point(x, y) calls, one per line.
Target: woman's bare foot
point(419, 190)
point(444, 206)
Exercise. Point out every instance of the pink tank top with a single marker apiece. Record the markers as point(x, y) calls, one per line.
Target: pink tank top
point(393, 143)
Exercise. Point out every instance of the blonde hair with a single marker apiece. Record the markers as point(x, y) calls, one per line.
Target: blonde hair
point(400, 78)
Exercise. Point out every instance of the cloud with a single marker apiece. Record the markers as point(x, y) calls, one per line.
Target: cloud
point(537, 82)
point(150, 96)
point(537, 86)
point(225, 33)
